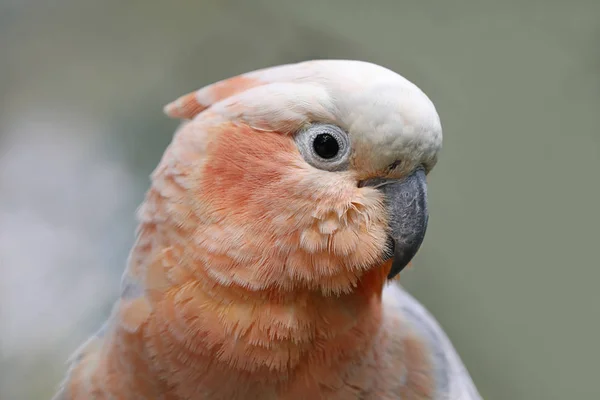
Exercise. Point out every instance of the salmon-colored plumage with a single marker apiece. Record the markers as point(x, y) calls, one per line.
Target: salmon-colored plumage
point(256, 275)
point(192, 104)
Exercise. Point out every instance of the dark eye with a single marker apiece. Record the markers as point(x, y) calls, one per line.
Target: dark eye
point(326, 146)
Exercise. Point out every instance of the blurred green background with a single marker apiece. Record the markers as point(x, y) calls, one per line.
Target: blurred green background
point(510, 265)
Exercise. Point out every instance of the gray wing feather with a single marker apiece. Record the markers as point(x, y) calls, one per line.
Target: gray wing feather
point(453, 379)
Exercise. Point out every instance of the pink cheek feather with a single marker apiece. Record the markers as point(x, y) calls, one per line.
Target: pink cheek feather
point(316, 223)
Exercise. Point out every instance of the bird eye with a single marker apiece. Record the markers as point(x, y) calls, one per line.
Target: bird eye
point(324, 146)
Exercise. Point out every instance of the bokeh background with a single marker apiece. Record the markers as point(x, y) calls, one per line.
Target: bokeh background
point(510, 266)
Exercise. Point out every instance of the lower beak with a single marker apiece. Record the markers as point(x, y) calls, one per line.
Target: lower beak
point(406, 202)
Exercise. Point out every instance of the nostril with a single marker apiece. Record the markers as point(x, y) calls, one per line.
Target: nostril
point(393, 165)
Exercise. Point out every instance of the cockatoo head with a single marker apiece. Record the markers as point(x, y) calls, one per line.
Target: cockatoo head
point(306, 175)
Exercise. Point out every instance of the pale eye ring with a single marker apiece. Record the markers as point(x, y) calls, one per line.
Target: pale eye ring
point(324, 146)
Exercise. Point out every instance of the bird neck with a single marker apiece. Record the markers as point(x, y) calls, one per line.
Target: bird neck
point(207, 334)
point(271, 341)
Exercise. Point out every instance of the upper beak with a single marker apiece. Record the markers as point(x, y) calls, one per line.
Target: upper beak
point(407, 214)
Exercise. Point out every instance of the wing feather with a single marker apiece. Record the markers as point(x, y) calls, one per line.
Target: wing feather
point(452, 378)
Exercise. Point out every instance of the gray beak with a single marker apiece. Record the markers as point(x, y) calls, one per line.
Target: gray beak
point(407, 213)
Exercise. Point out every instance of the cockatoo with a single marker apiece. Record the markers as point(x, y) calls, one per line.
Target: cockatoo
point(285, 204)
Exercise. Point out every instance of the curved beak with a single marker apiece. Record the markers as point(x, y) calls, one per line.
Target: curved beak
point(406, 202)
